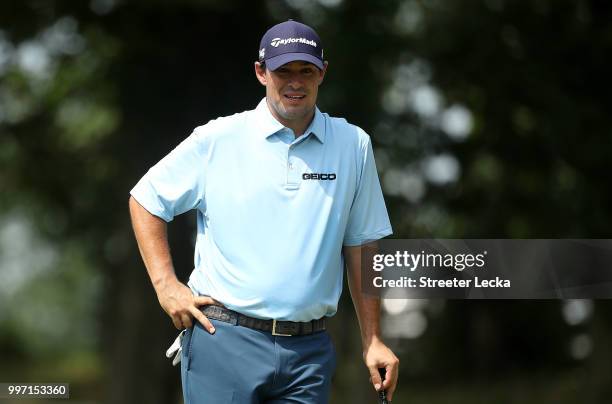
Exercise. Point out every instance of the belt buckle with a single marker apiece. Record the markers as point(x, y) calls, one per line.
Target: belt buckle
point(278, 333)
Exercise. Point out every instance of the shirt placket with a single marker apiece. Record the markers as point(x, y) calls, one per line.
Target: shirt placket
point(293, 177)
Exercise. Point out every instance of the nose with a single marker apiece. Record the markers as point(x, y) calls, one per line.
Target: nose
point(295, 81)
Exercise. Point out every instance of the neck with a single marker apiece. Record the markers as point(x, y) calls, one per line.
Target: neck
point(298, 126)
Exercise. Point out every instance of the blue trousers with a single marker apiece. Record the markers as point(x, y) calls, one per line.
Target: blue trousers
point(241, 365)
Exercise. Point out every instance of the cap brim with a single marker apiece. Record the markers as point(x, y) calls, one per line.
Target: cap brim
point(277, 61)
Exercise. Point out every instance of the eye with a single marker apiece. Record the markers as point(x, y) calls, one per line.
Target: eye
point(307, 71)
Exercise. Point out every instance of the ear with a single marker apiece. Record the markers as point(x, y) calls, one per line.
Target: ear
point(260, 73)
point(322, 72)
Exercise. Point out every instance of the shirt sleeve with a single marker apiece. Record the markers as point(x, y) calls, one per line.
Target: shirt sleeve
point(176, 183)
point(368, 218)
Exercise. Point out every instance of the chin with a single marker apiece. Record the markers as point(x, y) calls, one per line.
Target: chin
point(298, 109)
point(295, 113)
point(292, 110)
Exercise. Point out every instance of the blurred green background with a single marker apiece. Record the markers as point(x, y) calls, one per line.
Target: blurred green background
point(489, 118)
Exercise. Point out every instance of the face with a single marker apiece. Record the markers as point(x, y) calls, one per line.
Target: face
point(291, 90)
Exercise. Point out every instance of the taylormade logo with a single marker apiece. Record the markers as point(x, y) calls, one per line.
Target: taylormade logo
point(278, 41)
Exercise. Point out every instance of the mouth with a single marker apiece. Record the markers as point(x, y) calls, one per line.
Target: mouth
point(295, 97)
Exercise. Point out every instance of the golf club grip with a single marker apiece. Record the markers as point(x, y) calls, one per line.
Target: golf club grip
point(382, 394)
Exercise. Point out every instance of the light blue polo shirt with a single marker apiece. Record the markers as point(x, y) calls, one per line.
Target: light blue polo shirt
point(273, 211)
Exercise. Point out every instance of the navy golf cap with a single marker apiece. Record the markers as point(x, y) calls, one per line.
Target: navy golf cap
point(290, 41)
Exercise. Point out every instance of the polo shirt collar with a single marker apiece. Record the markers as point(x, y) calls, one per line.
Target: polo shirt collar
point(268, 125)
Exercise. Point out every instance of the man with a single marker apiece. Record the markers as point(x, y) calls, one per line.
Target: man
point(285, 195)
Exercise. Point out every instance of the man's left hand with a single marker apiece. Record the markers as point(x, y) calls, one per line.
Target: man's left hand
point(376, 356)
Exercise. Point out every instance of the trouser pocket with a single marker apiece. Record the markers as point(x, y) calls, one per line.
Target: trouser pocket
point(186, 348)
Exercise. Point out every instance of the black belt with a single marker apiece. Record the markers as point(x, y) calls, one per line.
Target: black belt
point(282, 328)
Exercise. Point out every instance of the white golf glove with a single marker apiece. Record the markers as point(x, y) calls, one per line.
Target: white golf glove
point(176, 347)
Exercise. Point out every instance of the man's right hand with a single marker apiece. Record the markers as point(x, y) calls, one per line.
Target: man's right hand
point(182, 306)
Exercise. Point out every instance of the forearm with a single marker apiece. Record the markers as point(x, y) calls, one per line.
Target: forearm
point(174, 297)
point(367, 307)
point(152, 239)
point(376, 354)
point(368, 314)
